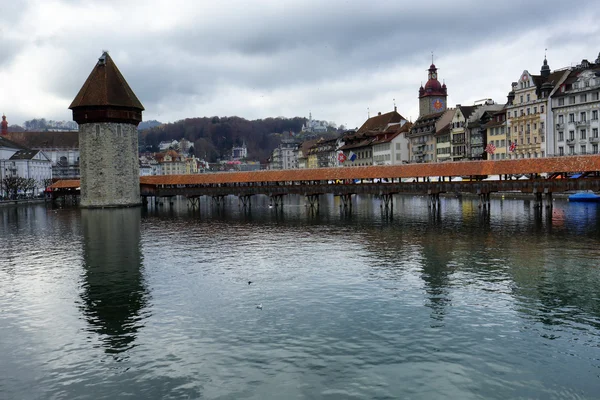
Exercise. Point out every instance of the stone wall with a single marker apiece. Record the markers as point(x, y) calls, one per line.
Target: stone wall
point(109, 165)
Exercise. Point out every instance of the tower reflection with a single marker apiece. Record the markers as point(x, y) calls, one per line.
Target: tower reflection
point(114, 293)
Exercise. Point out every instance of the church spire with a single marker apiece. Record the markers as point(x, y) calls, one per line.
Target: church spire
point(545, 71)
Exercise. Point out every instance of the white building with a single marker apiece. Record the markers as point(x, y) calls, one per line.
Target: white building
point(285, 156)
point(314, 126)
point(391, 147)
point(30, 164)
point(575, 108)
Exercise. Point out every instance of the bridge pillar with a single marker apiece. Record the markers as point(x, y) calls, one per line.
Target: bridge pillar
point(219, 200)
point(387, 200)
point(484, 200)
point(346, 201)
point(276, 200)
point(549, 204)
point(245, 200)
point(313, 200)
point(538, 202)
point(193, 202)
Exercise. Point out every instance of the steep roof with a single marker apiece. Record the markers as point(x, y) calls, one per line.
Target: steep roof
point(4, 142)
point(24, 155)
point(467, 111)
point(380, 122)
point(106, 87)
point(46, 140)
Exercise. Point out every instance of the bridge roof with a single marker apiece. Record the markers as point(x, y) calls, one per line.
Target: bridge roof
point(465, 168)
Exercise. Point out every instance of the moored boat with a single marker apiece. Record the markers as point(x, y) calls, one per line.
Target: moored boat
point(585, 197)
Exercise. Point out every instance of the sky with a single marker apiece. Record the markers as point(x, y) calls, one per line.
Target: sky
point(254, 59)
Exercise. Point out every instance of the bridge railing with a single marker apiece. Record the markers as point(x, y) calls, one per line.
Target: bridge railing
point(476, 187)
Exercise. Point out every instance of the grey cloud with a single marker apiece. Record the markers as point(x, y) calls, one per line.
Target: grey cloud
point(302, 43)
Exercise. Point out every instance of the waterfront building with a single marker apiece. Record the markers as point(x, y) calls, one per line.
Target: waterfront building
point(31, 164)
point(18, 161)
point(432, 105)
point(458, 133)
point(442, 146)
point(495, 132)
point(326, 152)
point(476, 133)
point(527, 111)
point(390, 146)
point(574, 112)
point(358, 146)
point(285, 156)
point(108, 113)
point(303, 151)
point(171, 162)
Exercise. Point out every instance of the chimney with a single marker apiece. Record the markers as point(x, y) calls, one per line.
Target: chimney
point(379, 113)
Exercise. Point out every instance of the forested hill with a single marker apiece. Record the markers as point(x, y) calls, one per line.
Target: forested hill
point(214, 137)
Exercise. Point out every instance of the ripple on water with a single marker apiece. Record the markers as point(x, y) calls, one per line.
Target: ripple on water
point(456, 304)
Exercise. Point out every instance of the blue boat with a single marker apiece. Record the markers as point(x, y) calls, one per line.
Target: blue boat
point(584, 197)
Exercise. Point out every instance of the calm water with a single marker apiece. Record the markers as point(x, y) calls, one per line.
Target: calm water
point(156, 304)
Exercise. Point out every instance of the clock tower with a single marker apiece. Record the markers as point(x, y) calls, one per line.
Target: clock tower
point(432, 97)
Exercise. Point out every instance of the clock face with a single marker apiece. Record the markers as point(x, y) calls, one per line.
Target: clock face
point(433, 75)
point(437, 104)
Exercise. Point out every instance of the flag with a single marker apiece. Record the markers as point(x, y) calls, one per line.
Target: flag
point(490, 148)
point(352, 156)
point(513, 146)
point(341, 157)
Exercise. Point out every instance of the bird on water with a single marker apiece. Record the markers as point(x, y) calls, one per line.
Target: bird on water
point(259, 306)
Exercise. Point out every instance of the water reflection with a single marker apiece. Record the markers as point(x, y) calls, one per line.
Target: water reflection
point(114, 293)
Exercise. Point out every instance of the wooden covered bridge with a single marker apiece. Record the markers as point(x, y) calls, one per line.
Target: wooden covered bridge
point(541, 177)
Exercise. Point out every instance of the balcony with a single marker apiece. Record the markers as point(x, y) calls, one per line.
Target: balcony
point(418, 152)
point(560, 125)
point(571, 141)
point(594, 140)
point(458, 141)
point(458, 154)
point(582, 124)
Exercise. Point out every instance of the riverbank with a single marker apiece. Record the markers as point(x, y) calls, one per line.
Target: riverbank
point(6, 203)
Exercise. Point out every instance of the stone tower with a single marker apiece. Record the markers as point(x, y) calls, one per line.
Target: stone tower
point(108, 113)
point(432, 97)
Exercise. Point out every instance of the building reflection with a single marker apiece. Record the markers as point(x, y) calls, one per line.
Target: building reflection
point(114, 293)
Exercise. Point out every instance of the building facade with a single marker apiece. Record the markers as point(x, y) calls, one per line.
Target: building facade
point(527, 109)
point(574, 110)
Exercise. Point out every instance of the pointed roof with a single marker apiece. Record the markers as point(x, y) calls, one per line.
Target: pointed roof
point(106, 87)
point(381, 121)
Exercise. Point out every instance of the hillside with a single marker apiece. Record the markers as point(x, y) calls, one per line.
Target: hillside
point(214, 137)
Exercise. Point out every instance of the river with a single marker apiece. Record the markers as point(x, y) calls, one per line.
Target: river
point(454, 303)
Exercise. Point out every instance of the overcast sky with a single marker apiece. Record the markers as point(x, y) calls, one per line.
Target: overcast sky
point(258, 59)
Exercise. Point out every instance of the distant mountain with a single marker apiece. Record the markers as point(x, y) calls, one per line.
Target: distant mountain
point(148, 124)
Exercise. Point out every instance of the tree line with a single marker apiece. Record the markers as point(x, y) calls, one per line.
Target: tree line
point(11, 187)
point(213, 137)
